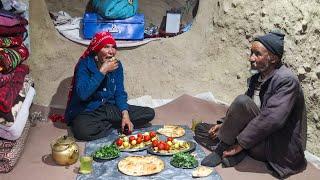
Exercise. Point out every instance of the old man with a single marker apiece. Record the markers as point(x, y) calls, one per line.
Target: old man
point(268, 122)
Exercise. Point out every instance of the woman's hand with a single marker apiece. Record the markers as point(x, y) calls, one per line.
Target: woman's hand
point(108, 66)
point(126, 121)
point(213, 132)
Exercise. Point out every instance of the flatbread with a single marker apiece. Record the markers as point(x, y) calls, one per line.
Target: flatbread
point(202, 171)
point(140, 165)
point(171, 131)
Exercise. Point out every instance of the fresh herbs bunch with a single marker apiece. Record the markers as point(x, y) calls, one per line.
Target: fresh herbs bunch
point(107, 151)
point(184, 160)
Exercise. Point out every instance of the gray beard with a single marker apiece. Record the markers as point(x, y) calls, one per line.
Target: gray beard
point(253, 71)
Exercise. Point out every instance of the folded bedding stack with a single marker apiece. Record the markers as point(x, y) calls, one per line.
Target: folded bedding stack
point(16, 89)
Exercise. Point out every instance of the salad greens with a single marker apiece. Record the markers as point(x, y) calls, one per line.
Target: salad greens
point(107, 151)
point(184, 160)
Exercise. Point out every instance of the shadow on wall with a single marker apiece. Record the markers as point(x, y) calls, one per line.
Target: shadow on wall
point(59, 101)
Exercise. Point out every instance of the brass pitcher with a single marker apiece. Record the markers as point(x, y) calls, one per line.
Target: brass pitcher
point(65, 151)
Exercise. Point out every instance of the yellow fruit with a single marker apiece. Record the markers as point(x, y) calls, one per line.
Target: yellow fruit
point(126, 139)
point(133, 142)
point(146, 134)
point(181, 144)
point(176, 146)
point(126, 144)
point(154, 138)
point(169, 143)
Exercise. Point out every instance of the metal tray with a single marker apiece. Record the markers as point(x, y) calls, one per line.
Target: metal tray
point(191, 149)
point(104, 159)
point(132, 150)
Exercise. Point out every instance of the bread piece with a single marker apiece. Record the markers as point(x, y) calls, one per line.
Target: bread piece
point(202, 171)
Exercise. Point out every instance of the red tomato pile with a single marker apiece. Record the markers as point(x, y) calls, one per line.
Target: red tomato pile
point(162, 145)
point(136, 141)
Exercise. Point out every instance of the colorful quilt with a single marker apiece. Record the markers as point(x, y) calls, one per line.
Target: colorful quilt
point(7, 119)
point(11, 57)
point(10, 91)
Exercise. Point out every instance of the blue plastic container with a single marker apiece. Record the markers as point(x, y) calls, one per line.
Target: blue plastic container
point(125, 29)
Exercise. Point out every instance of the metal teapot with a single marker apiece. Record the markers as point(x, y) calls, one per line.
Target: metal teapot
point(65, 151)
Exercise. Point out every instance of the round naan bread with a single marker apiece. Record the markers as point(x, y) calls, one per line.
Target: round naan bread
point(171, 131)
point(140, 165)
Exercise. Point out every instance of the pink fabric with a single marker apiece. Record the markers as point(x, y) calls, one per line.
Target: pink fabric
point(10, 19)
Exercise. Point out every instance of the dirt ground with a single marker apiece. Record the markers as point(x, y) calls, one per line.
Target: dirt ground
point(212, 56)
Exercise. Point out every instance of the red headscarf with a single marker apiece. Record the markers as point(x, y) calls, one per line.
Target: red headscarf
point(99, 41)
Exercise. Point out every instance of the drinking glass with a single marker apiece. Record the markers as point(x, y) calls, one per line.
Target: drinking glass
point(86, 164)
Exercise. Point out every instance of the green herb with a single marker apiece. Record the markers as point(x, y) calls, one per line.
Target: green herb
point(106, 152)
point(184, 160)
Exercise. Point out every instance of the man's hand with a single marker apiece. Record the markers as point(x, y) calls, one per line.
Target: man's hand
point(108, 66)
point(126, 121)
point(213, 132)
point(233, 150)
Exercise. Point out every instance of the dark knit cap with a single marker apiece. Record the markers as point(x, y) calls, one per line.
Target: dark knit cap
point(273, 41)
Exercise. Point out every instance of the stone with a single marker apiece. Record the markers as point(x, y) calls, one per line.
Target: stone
point(315, 117)
point(317, 71)
point(313, 77)
point(304, 27)
point(307, 67)
point(238, 76)
point(301, 73)
point(241, 31)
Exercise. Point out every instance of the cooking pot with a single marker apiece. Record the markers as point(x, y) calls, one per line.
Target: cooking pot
point(65, 151)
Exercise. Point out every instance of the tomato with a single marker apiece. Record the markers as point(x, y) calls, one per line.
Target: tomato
point(131, 138)
point(166, 147)
point(146, 138)
point(155, 143)
point(139, 140)
point(153, 134)
point(140, 135)
point(161, 146)
point(119, 142)
point(170, 139)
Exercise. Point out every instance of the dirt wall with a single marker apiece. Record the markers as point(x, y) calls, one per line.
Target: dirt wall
point(212, 56)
